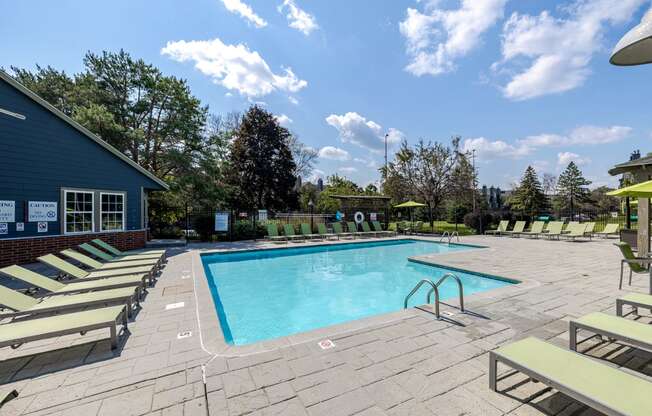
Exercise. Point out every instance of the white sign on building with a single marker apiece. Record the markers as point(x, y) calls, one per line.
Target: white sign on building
point(7, 211)
point(262, 215)
point(41, 211)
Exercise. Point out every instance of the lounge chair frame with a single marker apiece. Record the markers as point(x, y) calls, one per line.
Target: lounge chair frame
point(495, 358)
point(575, 326)
point(111, 324)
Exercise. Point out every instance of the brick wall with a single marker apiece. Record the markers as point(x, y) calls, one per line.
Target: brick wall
point(26, 250)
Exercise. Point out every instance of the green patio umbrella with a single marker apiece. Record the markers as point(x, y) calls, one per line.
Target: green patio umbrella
point(409, 205)
point(640, 190)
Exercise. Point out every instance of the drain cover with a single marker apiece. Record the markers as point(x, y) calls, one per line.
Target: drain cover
point(174, 306)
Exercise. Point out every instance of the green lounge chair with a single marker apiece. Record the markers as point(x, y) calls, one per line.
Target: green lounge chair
point(379, 229)
point(24, 305)
point(108, 247)
point(638, 265)
point(519, 227)
point(554, 230)
point(418, 227)
point(575, 231)
point(70, 270)
point(19, 332)
point(307, 232)
point(55, 287)
point(535, 230)
point(353, 228)
point(366, 230)
point(7, 395)
point(597, 385)
point(337, 227)
point(502, 227)
point(404, 227)
point(590, 228)
point(628, 331)
point(288, 230)
point(104, 256)
point(272, 233)
point(609, 229)
point(323, 232)
point(635, 300)
point(147, 265)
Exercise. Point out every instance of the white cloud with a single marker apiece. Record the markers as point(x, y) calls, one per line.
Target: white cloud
point(333, 153)
point(370, 163)
point(293, 100)
point(437, 38)
point(283, 120)
point(564, 158)
point(546, 55)
point(583, 135)
point(298, 19)
point(356, 129)
point(234, 66)
point(497, 149)
point(348, 169)
point(245, 11)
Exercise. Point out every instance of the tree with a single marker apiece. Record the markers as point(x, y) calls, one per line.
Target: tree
point(307, 193)
point(528, 196)
point(602, 201)
point(261, 168)
point(462, 182)
point(572, 188)
point(304, 157)
point(423, 172)
point(549, 184)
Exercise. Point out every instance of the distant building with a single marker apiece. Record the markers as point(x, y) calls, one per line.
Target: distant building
point(320, 184)
point(493, 196)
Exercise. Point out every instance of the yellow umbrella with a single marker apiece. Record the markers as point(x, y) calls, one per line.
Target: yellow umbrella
point(410, 204)
point(640, 190)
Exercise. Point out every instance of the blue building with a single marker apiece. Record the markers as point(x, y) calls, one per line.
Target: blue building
point(60, 184)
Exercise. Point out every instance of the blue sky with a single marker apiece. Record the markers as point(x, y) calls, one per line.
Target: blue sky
point(521, 82)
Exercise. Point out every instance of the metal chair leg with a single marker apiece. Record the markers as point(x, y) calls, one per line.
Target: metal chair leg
point(620, 286)
point(630, 276)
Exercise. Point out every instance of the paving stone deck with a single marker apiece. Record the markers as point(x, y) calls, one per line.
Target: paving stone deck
point(404, 363)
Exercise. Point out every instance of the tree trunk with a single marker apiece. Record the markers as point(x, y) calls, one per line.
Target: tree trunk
point(432, 223)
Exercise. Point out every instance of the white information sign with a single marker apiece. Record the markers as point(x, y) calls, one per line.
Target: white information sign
point(7, 211)
point(39, 211)
point(4, 228)
point(20, 226)
point(262, 215)
point(222, 221)
point(373, 216)
point(42, 227)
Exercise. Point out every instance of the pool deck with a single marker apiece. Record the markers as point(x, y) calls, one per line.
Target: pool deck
point(403, 363)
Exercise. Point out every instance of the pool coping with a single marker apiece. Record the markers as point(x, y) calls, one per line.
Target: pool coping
point(210, 330)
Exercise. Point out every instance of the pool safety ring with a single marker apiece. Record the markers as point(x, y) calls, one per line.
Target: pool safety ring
point(358, 217)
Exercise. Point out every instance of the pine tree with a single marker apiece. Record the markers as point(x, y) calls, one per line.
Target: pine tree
point(528, 197)
point(572, 188)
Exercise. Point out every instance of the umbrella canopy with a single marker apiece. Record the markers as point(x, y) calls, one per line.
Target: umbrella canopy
point(410, 204)
point(635, 48)
point(640, 190)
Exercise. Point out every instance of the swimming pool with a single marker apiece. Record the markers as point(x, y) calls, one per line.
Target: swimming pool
point(265, 294)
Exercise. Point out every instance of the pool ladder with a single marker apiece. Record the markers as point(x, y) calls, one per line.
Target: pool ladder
point(434, 287)
point(450, 236)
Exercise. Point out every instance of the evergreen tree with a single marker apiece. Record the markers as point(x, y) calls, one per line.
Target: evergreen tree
point(261, 167)
point(572, 188)
point(528, 196)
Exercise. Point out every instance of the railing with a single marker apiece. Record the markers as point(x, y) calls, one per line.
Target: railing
point(435, 289)
point(450, 236)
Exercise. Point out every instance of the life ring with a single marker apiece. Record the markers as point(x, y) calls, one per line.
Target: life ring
point(358, 217)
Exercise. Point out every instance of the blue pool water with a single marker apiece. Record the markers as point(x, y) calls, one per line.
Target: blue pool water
point(267, 294)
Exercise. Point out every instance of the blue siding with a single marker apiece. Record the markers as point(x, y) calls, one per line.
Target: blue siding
point(43, 154)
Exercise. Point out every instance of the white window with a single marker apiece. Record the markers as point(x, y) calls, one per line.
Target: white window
point(112, 211)
point(79, 217)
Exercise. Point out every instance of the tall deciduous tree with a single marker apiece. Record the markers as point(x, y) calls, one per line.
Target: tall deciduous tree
point(528, 197)
point(304, 156)
point(261, 167)
point(572, 188)
point(423, 172)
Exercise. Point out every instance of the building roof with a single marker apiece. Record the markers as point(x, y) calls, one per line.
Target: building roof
point(20, 87)
point(631, 165)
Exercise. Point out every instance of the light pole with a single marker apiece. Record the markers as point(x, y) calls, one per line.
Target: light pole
point(385, 174)
point(312, 206)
